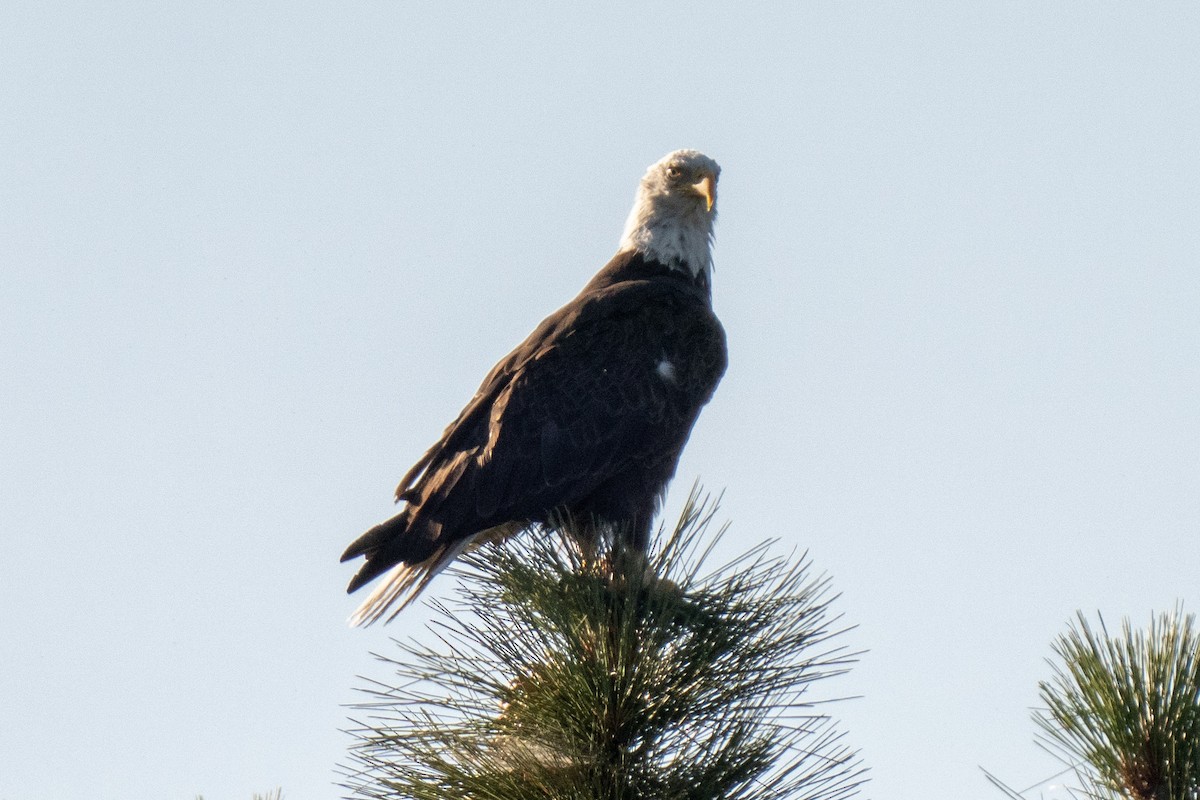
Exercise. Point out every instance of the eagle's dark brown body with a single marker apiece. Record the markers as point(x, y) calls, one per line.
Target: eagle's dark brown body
point(586, 417)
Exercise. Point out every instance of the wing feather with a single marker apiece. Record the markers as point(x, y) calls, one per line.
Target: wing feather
point(580, 407)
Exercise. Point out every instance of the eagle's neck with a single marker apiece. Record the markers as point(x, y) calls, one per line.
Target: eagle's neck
point(680, 238)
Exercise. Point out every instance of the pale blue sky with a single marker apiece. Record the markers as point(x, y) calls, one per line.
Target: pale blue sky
point(256, 256)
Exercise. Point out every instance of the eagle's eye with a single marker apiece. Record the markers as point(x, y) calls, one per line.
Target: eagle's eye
point(674, 172)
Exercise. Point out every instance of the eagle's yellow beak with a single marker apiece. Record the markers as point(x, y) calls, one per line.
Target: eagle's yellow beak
point(706, 187)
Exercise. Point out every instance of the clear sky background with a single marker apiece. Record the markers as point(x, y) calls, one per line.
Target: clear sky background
point(254, 256)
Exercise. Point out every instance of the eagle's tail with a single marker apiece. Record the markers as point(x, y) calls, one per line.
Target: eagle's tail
point(387, 544)
point(407, 546)
point(415, 550)
point(404, 581)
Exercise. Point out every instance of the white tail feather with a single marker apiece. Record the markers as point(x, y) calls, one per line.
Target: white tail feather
point(409, 580)
point(404, 579)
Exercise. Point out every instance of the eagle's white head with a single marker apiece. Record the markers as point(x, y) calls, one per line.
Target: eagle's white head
point(673, 214)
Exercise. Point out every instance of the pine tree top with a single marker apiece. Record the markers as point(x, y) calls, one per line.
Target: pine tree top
point(556, 673)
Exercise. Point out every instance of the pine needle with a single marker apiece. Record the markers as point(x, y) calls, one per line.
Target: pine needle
point(566, 675)
point(1126, 708)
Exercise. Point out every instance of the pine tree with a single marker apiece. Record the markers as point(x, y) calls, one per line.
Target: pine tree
point(570, 675)
point(1123, 711)
point(1128, 706)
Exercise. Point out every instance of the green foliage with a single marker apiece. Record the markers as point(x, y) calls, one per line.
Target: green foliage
point(1126, 708)
point(574, 674)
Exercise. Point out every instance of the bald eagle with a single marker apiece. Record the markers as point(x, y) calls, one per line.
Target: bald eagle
point(587, 417)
